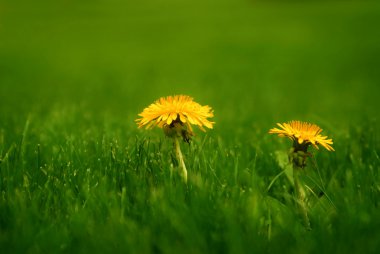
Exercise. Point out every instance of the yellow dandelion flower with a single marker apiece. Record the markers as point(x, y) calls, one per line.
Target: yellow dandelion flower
point(175, 115)
point(179, 109)
point(304, 134)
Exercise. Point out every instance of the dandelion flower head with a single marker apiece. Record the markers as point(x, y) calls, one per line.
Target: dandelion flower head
point(303, 133)
point(178, 110)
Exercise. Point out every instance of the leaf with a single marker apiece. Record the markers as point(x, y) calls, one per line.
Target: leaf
point(283, 162)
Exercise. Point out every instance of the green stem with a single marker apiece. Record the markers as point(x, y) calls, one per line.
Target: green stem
point(178, 153)
point(300, 196)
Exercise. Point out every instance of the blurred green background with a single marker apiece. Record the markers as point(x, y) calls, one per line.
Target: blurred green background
point(76, 176)
point(250, 60)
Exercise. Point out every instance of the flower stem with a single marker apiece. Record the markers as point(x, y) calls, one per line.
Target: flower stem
point(300, 197)
point(179, 156)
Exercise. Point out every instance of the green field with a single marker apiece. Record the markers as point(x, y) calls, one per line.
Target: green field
point(78, 176)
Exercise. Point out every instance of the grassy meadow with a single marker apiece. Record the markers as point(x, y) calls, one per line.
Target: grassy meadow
point(78, 176)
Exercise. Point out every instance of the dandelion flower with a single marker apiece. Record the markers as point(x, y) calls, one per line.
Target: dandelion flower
point(176, 115)
point(304, 134)
point(176, 109)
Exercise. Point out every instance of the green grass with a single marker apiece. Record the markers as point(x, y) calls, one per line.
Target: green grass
point(77, 176)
